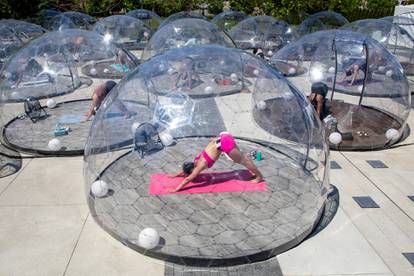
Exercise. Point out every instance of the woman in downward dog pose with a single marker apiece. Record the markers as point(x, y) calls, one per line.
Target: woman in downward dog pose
point(224, 143)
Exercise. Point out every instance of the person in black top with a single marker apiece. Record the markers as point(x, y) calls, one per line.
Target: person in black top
point(317, 98)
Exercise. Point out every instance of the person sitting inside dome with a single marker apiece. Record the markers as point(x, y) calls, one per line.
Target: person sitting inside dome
point(98, 96)
point(317, 98)
point(224, 143)
point(187, 76)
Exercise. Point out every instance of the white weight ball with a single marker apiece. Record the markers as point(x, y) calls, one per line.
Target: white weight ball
point(161, 67)
point(166, 139)
point(331, 70)
point(261, 105)
point(222, 62)
point(234, 77)
point(146, 34)
point(99, 188)
point(335, 138)
point(54, 144)
point(392, 134)
point(388, 73)
point(256, 72)
point(270, 53)
point(381, 69)
point(92, 71)
point(208, 89)
point(134, 126)
point(51, 103)
point(106, 70)
point(170, 71)
point(360, 88)
point(292, 71)
point(148, 238)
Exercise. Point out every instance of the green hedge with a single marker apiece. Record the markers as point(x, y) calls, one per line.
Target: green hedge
point(293, 11)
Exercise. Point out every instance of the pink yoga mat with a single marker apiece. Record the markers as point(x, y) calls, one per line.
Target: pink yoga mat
point(215, 182)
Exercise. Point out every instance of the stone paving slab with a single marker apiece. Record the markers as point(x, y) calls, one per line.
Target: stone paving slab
point(10, 161)
point(213, 226)
point(24, 135)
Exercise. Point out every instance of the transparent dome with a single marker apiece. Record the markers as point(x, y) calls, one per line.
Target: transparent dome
point(325, 20)
point(15, 34)
point(185, 32)
point(228, 19)
point(396, 39)
point(151, 19)
point(48, 66)
point(70, 20)
point(181, 15)
point(179, 101)
point(264, 33)
point(368, 97)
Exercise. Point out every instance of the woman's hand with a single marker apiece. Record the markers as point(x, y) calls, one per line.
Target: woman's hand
point(173, 190)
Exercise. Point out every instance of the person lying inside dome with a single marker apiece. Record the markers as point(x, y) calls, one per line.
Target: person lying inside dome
point(317, 98)
point(98, 96)
point(352, 67)
point(224, 143)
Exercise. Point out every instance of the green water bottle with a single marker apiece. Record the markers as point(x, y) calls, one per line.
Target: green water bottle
point(258, 155)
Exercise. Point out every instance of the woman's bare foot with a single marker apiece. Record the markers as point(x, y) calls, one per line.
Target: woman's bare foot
point(257, 179)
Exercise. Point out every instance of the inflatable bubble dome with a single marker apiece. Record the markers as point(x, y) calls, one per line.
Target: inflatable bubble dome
point(222, 100)
point(71, 20)
point(364, 86)
point(396, 39)
point(185, 32)
point(265, 34)
point(151, 19)
point(320, 21)
point(127, 31)
point(15, 34)
point(181, 15)
point(48, 66)
point(228, 19)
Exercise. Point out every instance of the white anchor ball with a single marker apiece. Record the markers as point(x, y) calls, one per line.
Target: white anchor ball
point(166, 139)
point(51, 103)
point(381, 69)
point(234, 77)
point(261, 105)
point(148, 238)
point(392, 134)
point(256, 72)
point(134, 126)
point(208, 89)
point(331, 70)
point(99, 188)
point(388, 73)
point(93, 71)
point(106, 70)
point(335, 138)
point(54, 144)
point(170, 71)
point(292, 70)
point(270, 53)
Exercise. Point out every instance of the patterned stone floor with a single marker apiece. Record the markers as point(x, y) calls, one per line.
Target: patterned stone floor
point(30, 137)
point(63, 85)
point(212, 226)
point(10, 161)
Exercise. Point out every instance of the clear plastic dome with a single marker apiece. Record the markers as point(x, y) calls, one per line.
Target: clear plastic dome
point(178, 102)
point(71, 20)
point(368, 97)
point(185, 32)
point(321, 21)
point(407, 23)
point(396, 39)
point(48, 66)
point(181, 15)
point(127, 31)
point(151, 19)
point(14, 34)
point(228, 19)
point(264, 33)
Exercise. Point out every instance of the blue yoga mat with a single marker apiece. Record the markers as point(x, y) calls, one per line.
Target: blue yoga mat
point(120, 68)
point(71, 119)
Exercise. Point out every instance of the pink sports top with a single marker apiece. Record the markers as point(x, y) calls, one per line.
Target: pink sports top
point(209, 160)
